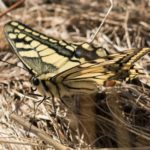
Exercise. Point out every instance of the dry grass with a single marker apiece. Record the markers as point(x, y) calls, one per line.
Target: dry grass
point(118, 118)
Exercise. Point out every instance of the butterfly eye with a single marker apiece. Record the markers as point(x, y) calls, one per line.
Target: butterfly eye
point(35, 81)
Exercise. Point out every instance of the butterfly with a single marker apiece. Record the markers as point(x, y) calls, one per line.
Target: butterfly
point(60, 68)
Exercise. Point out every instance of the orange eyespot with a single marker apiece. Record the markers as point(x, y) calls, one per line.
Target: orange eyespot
point(109, 83)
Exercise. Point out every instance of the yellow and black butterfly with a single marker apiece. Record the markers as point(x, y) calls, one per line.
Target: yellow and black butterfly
point(61, 69)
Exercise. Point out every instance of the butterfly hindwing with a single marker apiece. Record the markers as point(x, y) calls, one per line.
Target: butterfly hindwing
point(108, 71)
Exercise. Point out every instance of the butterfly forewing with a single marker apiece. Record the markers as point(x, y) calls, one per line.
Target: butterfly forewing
point(44, 55)
point(39, 53)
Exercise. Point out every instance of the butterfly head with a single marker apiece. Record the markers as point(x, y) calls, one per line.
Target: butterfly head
point(41, 86)
point(35, 81)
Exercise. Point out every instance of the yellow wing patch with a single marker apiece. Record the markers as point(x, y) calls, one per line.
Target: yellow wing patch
point(47, 52)
point(29, 54)
point(42, 47)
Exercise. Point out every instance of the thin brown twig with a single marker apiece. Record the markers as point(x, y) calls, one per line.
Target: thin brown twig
point(19, 2)
point(126, 30)
point(19, 142)
point(41, 134)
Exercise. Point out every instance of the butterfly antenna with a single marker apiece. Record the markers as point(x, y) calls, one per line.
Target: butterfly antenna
point(99, 28)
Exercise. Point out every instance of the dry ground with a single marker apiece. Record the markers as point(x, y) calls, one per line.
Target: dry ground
point(120, 118)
